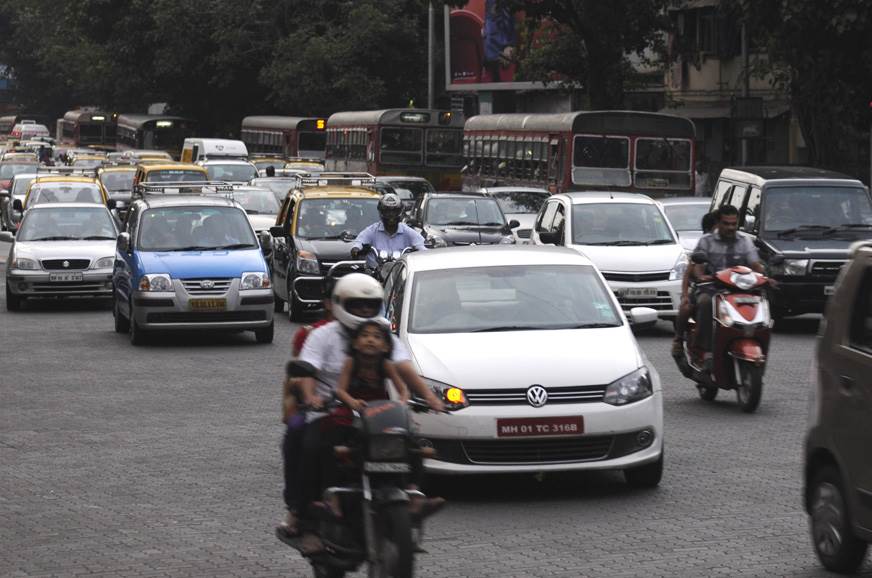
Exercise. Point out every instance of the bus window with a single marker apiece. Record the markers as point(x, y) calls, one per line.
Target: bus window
point(312, 141)
point(401, 145)
point(663, 163)
point(601, 160)
point(443, 147)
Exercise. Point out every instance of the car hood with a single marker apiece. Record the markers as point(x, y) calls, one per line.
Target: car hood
point(261, 222)
point(327, 250)
point(521, 358)
point(632, 259)
point(465, 235)
point(198, 264)
point(689, 239)
point(832, 248)
point(64, 249)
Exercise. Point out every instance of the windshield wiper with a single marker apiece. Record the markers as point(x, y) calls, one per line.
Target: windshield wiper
point(593, 325)
point(625, 243)
point(846, 227)
point(56, 238)
point(234, 246)
point(190, 248)
point(98, 238)
point(493, 224)
point(456, 223)
point(508, 328)
point(794, 230)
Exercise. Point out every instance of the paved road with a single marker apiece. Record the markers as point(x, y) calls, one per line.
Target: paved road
point(164, 461)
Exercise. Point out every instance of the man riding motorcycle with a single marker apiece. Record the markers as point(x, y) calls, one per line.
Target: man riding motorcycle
point(389, 234)
point(724, 248)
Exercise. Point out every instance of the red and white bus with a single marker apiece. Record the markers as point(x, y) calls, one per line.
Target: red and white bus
point(284, 136)
point(87, 126)
point(589, 150)
point(403, 141)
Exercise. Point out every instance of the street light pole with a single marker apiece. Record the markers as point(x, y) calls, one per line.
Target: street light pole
point(746, 86)
point(431, 45)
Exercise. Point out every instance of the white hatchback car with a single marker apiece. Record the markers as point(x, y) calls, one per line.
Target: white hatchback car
point(627, 237)
point(552, 372)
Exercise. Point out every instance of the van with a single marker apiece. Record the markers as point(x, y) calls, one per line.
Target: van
point(200, 149)
point(803, 221)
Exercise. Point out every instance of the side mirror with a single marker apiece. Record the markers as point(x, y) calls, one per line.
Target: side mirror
point(277, 231)
point(7, 237)
point(123, 243)
point(777, 259)
point(549, 237)
point(265, 243)
point(17, 205)
point(297, 368)
point(111, 204)
point(699, 258)
point(513, 224)
point(642, 316)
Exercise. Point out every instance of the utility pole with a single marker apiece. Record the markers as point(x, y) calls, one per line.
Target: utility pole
point(746, 85)
point(431, 46)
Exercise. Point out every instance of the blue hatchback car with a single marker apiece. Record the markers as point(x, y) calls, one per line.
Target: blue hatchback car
point(190, 262)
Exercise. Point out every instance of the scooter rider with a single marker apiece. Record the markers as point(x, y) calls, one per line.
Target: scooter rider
point(389, 234)
point(355, 299)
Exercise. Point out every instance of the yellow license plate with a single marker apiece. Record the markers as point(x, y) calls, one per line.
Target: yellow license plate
point(207, 304)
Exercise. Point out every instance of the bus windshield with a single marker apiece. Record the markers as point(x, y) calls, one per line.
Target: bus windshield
point(444, 147)
point(401, 146)
point(312, 141)
point(662, 154)
point(601, 160)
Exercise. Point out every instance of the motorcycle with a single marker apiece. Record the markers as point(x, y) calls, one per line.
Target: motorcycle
point(385, 261)
point(376, 526)
point(741, 329)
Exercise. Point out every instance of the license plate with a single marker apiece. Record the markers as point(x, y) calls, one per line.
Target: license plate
point(540, 426)
point(60, 277)
point(643, 292)
point(386, 467)
point(747, 300)
point(829, 290)
point(207, 304)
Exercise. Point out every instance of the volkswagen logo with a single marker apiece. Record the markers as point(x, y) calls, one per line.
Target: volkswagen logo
point(207, 284)
point(537, 396)
point(66, 264)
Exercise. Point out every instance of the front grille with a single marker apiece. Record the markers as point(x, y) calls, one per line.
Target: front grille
point(340, 271)
point(637, 277)
point(662, 302)
point(538, 451)
point(70, 287)
point(194, 287)
point(58, 264)
point(205, 316)
point(826, 269)
point(524, 233)
point(571, 394)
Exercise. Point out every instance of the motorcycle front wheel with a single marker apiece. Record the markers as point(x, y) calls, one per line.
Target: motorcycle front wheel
point(396, 550)
point(749, 385)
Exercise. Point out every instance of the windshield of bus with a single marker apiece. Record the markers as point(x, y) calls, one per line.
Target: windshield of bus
point(312, 141)
point(444, 147)
point(118, 181)
point(460, 212)
point(42, 193)
point(330, 218)
point(9, 170)
point(686, 216)
point(231, 172)
point(510, 298)
point(401, 146)
point(520, 202)
point(195, 229)
point(798, 210)
point(256, 201)
point(601, 160)
point(619, 224)
point(174, 176)
point(416, 188)
point(663, 163)
point(67, 224)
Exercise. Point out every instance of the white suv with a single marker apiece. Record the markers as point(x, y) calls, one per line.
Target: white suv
point(627, 237)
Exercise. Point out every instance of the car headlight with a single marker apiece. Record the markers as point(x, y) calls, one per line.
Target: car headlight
point(307, 263)
point(795, 267)
point(254, 280)
point(680, 267)
point(451, 395)
point(104, 262)
point(507, 240)
point(24, 264)
point(160, 282)
point(632, 387)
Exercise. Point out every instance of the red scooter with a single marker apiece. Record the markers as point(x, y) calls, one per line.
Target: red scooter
point(742, 326)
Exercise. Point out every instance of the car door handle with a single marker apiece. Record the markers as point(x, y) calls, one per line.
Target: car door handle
point(846, 382)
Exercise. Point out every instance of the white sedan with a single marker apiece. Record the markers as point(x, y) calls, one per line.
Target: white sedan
point(539, 345)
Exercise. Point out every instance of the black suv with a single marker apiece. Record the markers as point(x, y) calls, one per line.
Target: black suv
point(803, 221)
point(446, 219)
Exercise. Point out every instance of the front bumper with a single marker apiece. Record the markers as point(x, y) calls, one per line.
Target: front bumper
point(666, 301)
point(244, 310)
point(94, 283)
point(466, 442)
point(801, 295)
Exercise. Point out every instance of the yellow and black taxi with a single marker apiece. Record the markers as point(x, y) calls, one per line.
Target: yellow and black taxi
point(64, 189)
point(314, 231)
point(168, 172)
point(91, 160)
point(118, 181)
point(304, 164)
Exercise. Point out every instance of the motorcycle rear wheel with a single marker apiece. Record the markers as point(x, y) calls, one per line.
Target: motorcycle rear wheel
point(397, 546)
point(749, 385)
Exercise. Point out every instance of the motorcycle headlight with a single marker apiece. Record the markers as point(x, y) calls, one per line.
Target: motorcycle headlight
point(507, 240)
point(24, 264)
point(795, 267)
point(632, 387)
point(307, 263)
point(451, 395)
point(104, 262)
point(155, 283)
point(387, 447)
point(680, 268)
point(254, 280)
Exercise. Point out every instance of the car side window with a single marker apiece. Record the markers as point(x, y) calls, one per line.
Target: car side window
point(861, 315)
point(546, 218)
point(737, 196)
point(721, 194)
point(559, 220)
point(751, 213)
point(394, 307)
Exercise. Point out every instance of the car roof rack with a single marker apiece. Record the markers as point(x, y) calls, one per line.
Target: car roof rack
point(305, 160)
point(182, 188)
point(337, 178)
point(70, 171)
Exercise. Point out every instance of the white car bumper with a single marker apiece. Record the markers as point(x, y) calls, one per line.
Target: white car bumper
point(662, 296)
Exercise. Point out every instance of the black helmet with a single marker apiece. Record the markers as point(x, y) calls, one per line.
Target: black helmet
point(390, 208)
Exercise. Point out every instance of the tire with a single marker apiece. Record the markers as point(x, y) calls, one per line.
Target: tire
point(296, 310)
point(324, 571)
point(278, 304)
point(832, 533)
point(397, 545)
point(266, 334)
point(749, 385)
point(707, 392)
point(13, 301)
point(122, 324)
point(647, 476)
point(137, 337)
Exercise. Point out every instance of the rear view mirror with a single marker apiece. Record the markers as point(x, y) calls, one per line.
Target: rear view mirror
point(17, 205)
point(7, 237)
point(277, 231)
point(513, 224)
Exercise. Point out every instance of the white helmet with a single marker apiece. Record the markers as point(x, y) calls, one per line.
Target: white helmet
point(356, 289)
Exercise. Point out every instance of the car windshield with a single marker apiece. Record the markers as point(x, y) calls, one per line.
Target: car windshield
point(229, 172)
point(525, 202)
point(118, 181)
point(9, 170)
point(19, 185)
point(174, 175)
point(330, 218)
point(619, 224)
point(87, 163)
point(416, 188)
point(41, 193)
point(279, 187)
point(66, 223)
point(256, 202)
point(510, 298)
point(459, 212)
point(797, 206)
point(195, 229)
point(262, 165)
point(686, 217)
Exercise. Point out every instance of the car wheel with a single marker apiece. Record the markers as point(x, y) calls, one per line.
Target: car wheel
point(136, 334)
point(296, 310)
point(647, 476)
point(122, 324)
point(266, 334)
point(13, 301)
point(832, 535)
